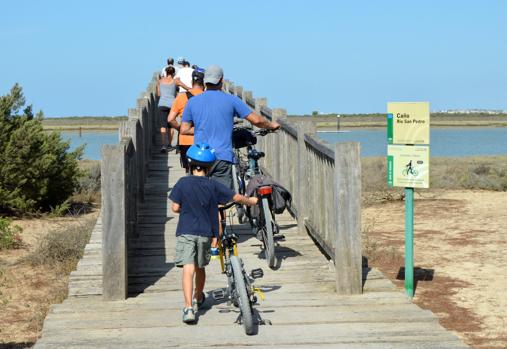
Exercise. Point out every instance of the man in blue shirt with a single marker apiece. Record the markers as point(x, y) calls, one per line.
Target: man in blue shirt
point(210, 118)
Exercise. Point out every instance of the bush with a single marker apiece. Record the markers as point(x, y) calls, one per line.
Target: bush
point(10, 235)
point(89, 182)
point(62, 248)
point(37, 172)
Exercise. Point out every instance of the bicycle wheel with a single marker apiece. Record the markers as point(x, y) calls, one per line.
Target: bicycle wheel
point(242, 295)
point(269, 243)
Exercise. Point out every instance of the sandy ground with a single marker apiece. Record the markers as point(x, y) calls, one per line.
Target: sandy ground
point(26, 292)
point(460, 243)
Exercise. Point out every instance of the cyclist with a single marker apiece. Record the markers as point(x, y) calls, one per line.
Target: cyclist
point(409, 167)
point(210, 118)
point(196, 199)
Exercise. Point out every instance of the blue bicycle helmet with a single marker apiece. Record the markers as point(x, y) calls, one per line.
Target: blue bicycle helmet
point(201, 154)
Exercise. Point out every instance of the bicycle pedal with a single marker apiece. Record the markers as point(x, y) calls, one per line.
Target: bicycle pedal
point(257, 273)
point(218, 294)
point(279, 237)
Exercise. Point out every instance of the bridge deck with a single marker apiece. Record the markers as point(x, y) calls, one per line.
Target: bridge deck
point(300, 303)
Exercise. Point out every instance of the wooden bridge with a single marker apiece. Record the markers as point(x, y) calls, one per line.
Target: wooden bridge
point(126, 292)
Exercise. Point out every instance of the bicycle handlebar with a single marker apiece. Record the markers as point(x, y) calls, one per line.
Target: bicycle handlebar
point(264, 132)
point(226, 206)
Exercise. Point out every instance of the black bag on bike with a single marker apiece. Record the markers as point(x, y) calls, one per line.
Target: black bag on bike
point(242, 137)
point(281, 198)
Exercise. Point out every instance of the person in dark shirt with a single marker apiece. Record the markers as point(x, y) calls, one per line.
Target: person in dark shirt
point(196, 199)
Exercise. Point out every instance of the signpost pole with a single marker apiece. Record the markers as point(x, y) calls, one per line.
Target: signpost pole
point(409, 241)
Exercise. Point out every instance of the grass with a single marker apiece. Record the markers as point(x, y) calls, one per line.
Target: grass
point(36, 276)
point(483, 173)
point(328, 121)
point(61, 249)
point(83, 122)
point(10, 235)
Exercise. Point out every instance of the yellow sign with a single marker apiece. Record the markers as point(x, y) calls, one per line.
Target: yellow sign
point(408, 166)
point(408, 123)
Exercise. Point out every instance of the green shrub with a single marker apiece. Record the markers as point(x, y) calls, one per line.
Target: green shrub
point(37, 172)
point(10, 235)
point(89, 181)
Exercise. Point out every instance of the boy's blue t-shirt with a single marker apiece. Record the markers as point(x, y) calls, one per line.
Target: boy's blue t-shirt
point(199, 198)
point(212, 114)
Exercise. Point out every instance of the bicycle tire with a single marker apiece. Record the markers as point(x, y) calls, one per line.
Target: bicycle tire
point(269, 243)
point(242, 294)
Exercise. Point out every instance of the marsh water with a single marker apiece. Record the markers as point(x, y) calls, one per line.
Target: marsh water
point(452, 142)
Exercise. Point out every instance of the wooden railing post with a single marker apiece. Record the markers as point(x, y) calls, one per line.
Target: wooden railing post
point(246, 96)
point(114, 222)
point(347, 206)
point(238, 91)
point(302, 174)
point(275, 149)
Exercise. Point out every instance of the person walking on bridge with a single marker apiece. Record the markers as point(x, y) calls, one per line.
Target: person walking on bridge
point(166, 90)
point(185, 141)
point(184, 75)
point(210, 118)
point(196, 199)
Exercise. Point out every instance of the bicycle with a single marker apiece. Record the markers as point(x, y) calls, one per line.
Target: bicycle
point(410, 170)
point(240, 290)
point(261, 220)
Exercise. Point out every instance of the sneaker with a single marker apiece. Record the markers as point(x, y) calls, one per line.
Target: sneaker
point(196, 305)
point(170, 148)
point(188, 315)
point(163, 149)
point(258, 235)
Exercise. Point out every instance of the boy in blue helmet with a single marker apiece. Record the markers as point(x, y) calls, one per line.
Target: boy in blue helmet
point(196, 199)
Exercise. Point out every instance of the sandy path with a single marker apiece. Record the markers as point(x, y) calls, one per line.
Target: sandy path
point(462, 237)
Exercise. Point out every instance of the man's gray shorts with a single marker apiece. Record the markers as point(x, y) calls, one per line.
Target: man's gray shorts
point(222, 172)
point(192, 249)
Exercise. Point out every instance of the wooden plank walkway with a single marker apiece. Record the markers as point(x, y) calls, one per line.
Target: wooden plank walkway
point(301, 303)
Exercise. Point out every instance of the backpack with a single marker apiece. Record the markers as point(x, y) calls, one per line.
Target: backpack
point(281, 198)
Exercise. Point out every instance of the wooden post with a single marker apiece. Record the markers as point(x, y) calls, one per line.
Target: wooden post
point(247, 95)
point(347, 206)
point(261, 141)
point(302, 174)
point(275, 149)
point(259, 103)
point(114, 222)
point(238, 91)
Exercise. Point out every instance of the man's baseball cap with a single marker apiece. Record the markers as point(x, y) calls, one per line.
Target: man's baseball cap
point(180, 60)
point(213, 74)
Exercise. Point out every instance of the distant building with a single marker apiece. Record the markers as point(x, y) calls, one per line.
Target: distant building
point(471, 111)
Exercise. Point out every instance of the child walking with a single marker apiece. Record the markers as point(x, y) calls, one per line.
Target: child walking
point(196, 199)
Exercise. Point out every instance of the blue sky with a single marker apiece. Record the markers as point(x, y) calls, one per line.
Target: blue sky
point(95, 57)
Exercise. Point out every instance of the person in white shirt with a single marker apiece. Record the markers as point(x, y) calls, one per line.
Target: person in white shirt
point(184, 75)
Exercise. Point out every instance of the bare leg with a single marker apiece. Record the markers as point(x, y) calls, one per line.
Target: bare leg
point(171, 135)
point(187, 283)
point(163, 135)
point(200, 280)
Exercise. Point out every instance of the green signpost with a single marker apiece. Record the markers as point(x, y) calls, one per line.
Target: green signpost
point(408, 130)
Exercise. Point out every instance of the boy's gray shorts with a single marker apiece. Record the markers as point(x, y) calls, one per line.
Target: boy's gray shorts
point(192, 249)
